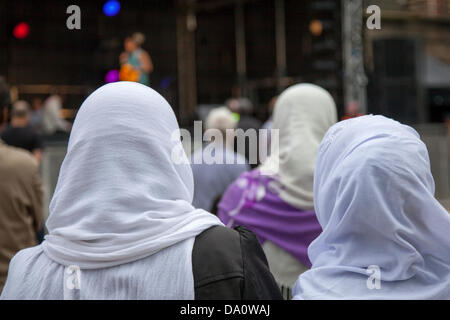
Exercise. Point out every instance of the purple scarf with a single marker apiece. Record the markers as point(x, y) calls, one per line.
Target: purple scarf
point(252, 201)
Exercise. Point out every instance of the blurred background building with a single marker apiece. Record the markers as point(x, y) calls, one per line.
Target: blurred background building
point(407, 63)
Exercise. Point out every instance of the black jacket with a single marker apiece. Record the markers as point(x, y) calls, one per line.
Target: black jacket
point(230, 264)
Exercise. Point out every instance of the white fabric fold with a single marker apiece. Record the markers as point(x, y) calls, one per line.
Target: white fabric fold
point(385, 236)
point(119, 196)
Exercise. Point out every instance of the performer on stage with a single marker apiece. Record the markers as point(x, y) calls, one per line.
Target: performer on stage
point(136, 63)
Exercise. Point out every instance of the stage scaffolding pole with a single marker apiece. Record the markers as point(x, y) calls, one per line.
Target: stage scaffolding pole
point(241, 60)
point(280, 39)
point(355, 79)
point(187, 77)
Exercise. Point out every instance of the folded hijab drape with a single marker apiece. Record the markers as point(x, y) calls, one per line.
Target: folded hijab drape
point(374, 198)
point(120, 197)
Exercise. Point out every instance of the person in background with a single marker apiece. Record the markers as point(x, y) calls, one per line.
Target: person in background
point(19, 133)
point(20, 199)
point(212, 179)
point(122, 224)
point(242, 108)
point(275, 200)
point(136, 63)
point(53, 123)
point(37, 114)
point(385, 236)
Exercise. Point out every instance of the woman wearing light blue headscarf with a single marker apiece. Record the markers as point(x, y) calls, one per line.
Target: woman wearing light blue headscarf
point(384, 235)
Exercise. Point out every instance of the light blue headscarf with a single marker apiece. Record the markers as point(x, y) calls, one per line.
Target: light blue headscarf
point(374, 198)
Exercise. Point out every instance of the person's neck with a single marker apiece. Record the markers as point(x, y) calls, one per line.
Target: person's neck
point(19, 123)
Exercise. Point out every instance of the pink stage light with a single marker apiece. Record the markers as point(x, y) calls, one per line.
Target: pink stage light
point(112, 76)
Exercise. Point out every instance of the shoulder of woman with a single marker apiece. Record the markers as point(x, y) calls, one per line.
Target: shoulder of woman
point(250, 247)
point(25, 255)
point(230, 264)
point(221, 262)
point(216, 255)
point(142, 53)
point(219, 253)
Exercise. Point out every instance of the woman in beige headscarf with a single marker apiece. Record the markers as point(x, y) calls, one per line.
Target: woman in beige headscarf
point(52, 121)
point(275, 200)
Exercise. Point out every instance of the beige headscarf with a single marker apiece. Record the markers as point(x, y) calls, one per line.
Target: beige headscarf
point(303, 113)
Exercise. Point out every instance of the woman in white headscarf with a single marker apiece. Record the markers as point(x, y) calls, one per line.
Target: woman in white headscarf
point(275, 200)
point(121, 223)
point(52, 121)
point(384, 235)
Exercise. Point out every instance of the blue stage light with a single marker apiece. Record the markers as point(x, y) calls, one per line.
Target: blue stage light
point(111, 8)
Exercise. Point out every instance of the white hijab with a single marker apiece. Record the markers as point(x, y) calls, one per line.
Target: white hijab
point(119, 196)
point(303, 113)
point(374, 198)
point(121, 211)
